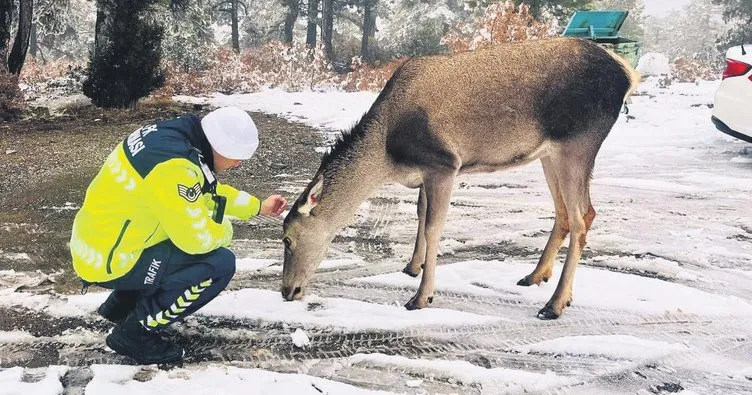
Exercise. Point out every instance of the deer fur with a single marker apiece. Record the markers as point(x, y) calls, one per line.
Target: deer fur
point(483, 111)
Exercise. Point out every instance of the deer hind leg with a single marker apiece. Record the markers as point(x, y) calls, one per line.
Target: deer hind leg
point(438, 193)
point(544, 269)
point(419, 253)
point(574, 164)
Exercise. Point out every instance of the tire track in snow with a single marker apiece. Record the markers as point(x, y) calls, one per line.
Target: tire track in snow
point(671, 372)
point(235, 340)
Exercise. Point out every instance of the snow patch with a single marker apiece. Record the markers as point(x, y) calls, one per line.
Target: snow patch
point(275, 266)
point(300, 338)
point(653, 64)
point(333, 312)
point(611, 346)
point(252, 265)
point(15, 256)
point(326, 110)
point(13, 383)
point(741, 159)
point(495, 380)
point(592, 288)
point(68, 206)
point(214, 379)
point(15, 336)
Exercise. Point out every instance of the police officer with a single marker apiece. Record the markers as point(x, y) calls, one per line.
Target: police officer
point(155, 228)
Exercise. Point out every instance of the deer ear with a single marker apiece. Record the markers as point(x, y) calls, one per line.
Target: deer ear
point(313, 198)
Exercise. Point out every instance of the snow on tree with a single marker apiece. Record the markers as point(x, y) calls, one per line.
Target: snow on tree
point(634, 25)
point(414, 27)
point(232, 12)
point(561, 10)
point(689, 33)
point(688, 38)
point(265, 22)
point(738, 14)
point(502, 22)
point(126, 63)
point(188, 35)
point(62, 29)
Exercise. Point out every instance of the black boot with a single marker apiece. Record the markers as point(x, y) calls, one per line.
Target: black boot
point(118, 305)
point(131, 339)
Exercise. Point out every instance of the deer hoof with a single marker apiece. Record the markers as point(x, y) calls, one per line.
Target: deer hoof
point(526, 282)
point(410, 271)
point(548, 313)
point(533, 279)
point(417, 302)
point(530, 280)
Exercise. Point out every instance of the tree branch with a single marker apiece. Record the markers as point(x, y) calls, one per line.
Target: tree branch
point(59, 51)
point(355, 20)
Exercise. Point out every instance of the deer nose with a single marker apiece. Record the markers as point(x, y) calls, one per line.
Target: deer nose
point(290, 293)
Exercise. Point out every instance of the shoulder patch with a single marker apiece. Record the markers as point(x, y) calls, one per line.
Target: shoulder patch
point(190, 194)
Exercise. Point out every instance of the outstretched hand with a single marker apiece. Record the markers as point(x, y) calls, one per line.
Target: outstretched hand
point(273, 206)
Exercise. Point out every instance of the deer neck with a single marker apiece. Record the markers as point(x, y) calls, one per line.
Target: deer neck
point(354, 175)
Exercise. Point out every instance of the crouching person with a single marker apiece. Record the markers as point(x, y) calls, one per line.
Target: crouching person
point(153, 226)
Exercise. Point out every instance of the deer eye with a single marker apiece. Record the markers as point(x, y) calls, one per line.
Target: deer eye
point(287, 242)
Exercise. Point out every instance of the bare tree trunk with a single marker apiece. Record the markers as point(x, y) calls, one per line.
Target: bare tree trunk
point(313, 16)
point(327, 27)
point(41, 55)
point(21, 43)
point(293, 9)
point(101, 39)
point(33, 45)
point(6, 16)
point(235, 31)
point(369, 30)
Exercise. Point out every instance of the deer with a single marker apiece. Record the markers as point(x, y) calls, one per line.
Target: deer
point(441, 116)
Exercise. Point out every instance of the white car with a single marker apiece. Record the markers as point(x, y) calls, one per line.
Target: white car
point(732, 111)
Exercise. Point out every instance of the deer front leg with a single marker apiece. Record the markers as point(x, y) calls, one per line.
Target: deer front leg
point(560, 231)
point(419, 253)
point(438, 193)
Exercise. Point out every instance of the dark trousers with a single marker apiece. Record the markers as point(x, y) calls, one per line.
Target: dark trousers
point(172, 284)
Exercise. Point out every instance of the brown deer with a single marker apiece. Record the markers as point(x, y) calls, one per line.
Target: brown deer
point(437, 117)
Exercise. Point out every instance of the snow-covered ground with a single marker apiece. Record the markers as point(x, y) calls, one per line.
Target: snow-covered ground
point(662, 300)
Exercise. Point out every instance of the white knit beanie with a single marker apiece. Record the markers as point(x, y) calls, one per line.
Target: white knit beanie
point(231, 132)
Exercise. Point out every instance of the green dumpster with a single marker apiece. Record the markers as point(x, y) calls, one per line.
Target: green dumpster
point(603, 27)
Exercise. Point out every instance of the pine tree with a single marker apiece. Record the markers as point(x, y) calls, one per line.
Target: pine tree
point(62, 29)
point(689, 34)
point(313, 19)
point(6, 18)
point(12, 61)
point(291, 16)
point(416, 27)
point(737, 13)
point(11, 98)
point(562, 10)
point(17, 55)
point(188, 35)
point(232, 12)
point(368, 40)
point(634, 25)
point(327, 28)
point(125, 65)
point(265, 22)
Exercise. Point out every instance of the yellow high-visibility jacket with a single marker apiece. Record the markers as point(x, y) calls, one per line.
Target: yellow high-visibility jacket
point(150, 189)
